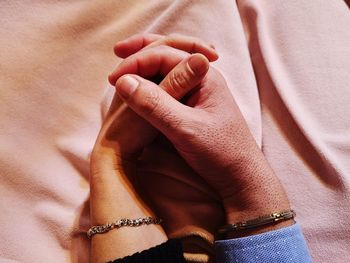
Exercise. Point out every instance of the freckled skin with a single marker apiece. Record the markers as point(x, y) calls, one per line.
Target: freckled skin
point(214, 139)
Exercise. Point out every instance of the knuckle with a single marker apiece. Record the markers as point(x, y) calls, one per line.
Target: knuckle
point(188, 130)
point(180, 81)
point(140, 35)
point(169, 120)
point(194, 47)
point(160, 47)
point(200, 42)
point(194, 128)
point(150, 103)
point(144, 36)
point(178, 40)
point(174, 36)
point(164, 47)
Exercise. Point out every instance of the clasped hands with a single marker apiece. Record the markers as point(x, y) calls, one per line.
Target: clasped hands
point(194, 109)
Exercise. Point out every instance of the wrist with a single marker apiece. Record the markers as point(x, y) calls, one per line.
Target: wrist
point(113, 190)
point(113, 196)
point(258, 200)
point(256, 192)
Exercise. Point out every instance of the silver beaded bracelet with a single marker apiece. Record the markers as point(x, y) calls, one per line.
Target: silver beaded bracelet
point(120, 223)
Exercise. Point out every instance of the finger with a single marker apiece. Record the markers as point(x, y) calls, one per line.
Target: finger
point(152, 103)
point(185, 76)
point(189, 44)
point(149, 63)
point(134, 43)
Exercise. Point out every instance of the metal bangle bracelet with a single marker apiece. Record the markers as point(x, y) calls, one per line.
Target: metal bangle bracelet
point(257, 222)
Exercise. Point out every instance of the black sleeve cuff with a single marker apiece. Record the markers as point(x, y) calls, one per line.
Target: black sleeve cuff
point(169, 252)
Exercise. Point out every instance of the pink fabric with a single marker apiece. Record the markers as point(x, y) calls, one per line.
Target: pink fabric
point(286, 62)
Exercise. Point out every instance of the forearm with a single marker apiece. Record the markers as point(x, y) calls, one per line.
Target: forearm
point(112, 198)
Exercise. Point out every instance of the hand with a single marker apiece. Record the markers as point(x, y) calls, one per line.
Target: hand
point(122, 136)
point(200, 130)
point(155, 59)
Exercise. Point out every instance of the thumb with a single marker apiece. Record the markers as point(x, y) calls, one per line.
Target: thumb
point(185, 76)
point(152, 103)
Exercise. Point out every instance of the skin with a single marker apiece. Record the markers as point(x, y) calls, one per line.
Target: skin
point(116, 148)
point(199, 130)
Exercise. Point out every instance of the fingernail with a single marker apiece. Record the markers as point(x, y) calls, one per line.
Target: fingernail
point(126, 86)
point(198, 64)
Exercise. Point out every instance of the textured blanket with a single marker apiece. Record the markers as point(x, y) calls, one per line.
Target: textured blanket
point(287, 64)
